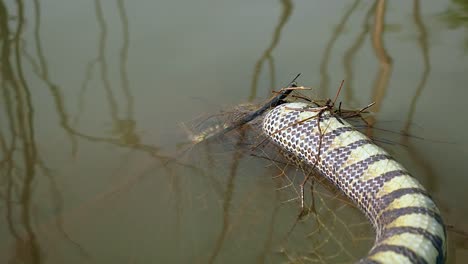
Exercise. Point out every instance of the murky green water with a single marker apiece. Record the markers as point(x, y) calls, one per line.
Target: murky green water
point(93, 94)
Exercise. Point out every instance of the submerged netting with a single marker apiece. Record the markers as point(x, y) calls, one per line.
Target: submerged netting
point(332, 229)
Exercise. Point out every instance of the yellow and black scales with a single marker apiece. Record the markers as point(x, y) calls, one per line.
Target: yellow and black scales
point(409, 228)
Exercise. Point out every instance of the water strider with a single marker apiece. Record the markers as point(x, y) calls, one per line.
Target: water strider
point(408, 225)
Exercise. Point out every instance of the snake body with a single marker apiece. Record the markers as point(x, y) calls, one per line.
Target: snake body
point(408, 225)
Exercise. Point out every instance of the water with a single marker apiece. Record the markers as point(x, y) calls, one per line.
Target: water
point(94, 92)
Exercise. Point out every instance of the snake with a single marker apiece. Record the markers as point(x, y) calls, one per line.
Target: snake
point(408, 225)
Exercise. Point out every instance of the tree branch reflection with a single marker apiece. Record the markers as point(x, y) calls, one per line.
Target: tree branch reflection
point(20, 164)
point(349, 56)
point(287, 7)
point(228, 193)
point(417, 157)
point(124, 58)
point(325, 79)
point(101, 59)
point(20, 113)
point(385, 61)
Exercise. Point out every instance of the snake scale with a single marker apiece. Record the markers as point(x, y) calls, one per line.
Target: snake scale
point(409, 228)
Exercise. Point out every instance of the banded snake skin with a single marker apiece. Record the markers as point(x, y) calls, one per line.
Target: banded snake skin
point(408, 225)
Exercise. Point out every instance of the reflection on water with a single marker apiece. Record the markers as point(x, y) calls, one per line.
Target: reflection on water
point(22, 162)
point(75, 190)
point(41, 69)
point(385, 61)
point(227, 199)
point(124, 60)
point(417, 157)
point(423, 43)
point(349, 55)
point(101, 60)
point(455, 16)
point(124, 127)
point(287, 7)
point(325, 78)
point(20, 157)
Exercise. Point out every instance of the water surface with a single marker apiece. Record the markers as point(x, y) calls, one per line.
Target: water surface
point(93, 94)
